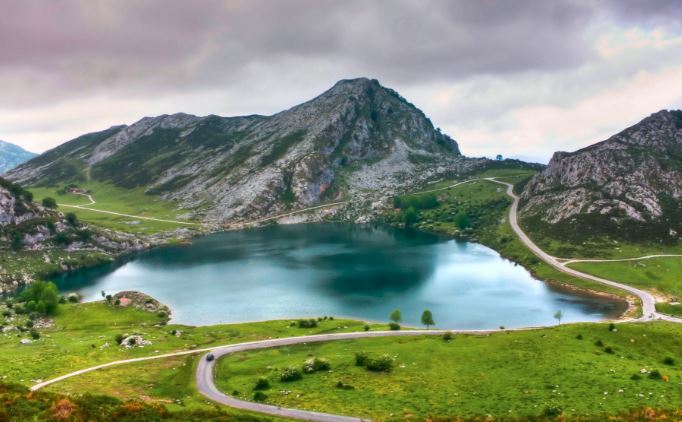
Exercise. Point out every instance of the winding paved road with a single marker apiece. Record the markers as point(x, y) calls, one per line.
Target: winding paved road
point(648, 300)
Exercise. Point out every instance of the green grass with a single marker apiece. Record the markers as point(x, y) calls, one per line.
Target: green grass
point(83, 335)
point(111, 198)
point(507, 374)
point(659, 275)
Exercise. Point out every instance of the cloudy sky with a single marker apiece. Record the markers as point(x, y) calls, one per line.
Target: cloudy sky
point(522, 78)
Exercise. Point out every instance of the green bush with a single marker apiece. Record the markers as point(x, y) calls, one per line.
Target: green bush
point(361, 358)
point(49, 203)
point(394, 326)
point(307, 323)
point(655, 374)
point(262, 384)
point(343, 386)
point(35, 334)
point(447, 336)
point(42, 296)
point(259, 396)
point(291, 374)
point(316, 364)
point(383, 363)
point(609, 350)
point(636, 377)
point(669, 361)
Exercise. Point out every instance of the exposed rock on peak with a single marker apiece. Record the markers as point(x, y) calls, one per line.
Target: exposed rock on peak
point(356, 137)
point(635, 175)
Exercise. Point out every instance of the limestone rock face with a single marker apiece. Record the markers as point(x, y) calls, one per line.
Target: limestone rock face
point(355, 138)
point(635, 175)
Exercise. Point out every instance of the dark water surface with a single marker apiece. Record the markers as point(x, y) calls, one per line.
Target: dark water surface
point(342, 270)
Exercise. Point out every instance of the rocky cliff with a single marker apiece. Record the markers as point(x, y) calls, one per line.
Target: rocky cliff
point(633, 179)
point(356, 138)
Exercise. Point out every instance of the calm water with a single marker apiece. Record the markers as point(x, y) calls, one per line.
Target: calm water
point(342, 270)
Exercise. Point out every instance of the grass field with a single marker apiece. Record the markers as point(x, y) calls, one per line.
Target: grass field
point(125, 201)
point(507, 374)
point(663, 276)
point(14, 265)
point(83, 335)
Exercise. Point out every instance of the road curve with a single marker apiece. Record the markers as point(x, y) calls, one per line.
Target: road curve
point(647, 299)
point(205, 373)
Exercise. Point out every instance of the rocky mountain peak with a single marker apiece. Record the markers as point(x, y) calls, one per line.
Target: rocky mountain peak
point(358, 136)
point(635, 175)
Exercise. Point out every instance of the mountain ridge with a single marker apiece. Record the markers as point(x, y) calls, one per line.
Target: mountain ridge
point(631, 179)
point(356, 137)
point(12, 155)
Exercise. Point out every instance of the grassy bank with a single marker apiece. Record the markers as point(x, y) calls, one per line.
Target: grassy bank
point(583, 369)
point(84, 335)
point(110, 198)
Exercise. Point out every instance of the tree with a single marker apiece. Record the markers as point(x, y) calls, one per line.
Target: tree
point(72, 219)
point(41, 297)
point(396, 316)
point(498, 157)
point(558, 315)
point(427, 319)
point(410, 217)
point(49, 203)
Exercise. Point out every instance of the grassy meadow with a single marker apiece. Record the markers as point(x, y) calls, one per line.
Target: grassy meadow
point(582, 369)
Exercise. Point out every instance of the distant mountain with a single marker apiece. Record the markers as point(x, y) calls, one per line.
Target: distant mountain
point(12, 155)
point(355, 138)
point(627, 186)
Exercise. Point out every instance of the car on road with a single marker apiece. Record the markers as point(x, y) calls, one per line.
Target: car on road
point(210, 357)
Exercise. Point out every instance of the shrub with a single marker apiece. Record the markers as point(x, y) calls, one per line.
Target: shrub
point(655, 375)
point(74, 297)
point(609, 350)
point(72, 219)
point(361, 358)
point(162, 314)
point(669, 361)
point(447, 336)
point(552, 411)
point(307, 323)
point(316, 364)
point(343, 386)
point(599, 343)
point(612, 327)
point(579, 337)
point(262, 384)
point(132, 341)
point(35, 334)
point(383, 363)
point(29, 323)
point(291, 374)
point(49, 203)
point(41, 297)
point(366, 327)
point(635, 377)
point(394, 326)
point(259, 396)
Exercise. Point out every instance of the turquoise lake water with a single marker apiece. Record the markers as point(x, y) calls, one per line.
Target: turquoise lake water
point(348, 270)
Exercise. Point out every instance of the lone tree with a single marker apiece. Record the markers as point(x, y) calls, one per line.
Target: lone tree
point(49, 203)
point(396, 316)
point(558, 315)
point(427, 319)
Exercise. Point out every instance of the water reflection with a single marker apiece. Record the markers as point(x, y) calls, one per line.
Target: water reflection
point(338, 269)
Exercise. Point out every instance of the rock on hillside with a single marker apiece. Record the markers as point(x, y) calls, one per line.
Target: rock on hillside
point(12, 155)
point(355, 138)
point(633, 178)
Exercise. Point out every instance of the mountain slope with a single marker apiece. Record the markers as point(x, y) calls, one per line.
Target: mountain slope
point(629, 185)
point(12, 155)
point(355, 138)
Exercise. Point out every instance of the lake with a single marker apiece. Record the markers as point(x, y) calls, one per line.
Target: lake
point(358, 271)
